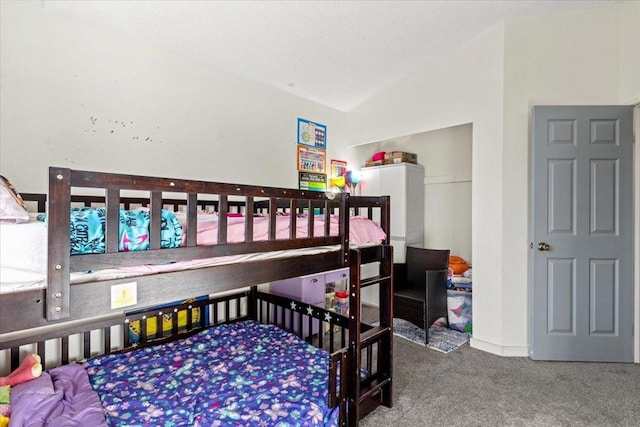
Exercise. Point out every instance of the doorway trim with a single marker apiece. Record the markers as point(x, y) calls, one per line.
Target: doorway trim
point(636, 172)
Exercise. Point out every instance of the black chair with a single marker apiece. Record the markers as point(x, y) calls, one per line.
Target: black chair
point(420, 287)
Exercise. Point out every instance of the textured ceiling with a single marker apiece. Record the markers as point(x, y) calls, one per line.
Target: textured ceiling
point(337, 53)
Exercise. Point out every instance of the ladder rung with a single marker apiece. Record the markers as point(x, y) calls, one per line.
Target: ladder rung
point(373, 280)
point(374, 388)
point(373, 334)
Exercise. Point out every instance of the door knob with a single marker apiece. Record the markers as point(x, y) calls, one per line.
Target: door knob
point(542, 246)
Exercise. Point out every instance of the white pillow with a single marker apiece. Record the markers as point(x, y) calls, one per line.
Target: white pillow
point(12, 207)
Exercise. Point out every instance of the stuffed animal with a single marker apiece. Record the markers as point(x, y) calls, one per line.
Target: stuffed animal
point(29, 369)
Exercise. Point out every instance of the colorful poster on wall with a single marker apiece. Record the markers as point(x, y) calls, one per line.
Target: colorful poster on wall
point(312, 181)
point(312, 134)
point(338, 168)
point(311, 159)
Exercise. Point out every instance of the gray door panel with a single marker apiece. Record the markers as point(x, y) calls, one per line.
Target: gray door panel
point(582, 207)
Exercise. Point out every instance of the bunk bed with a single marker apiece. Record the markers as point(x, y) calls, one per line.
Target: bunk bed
point(359, 356)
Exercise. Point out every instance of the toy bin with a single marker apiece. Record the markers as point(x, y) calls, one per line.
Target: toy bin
point(460, 310)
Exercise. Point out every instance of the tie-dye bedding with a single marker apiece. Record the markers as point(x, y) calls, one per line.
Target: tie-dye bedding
point(88, 224)
point(23, 258)
point(243, 374)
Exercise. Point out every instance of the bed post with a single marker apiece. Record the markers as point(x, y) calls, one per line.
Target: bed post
point(58, 288)
point(385, 216)
point(385, 359)
point(355, 345)
point(252, 304)
point(343, 227)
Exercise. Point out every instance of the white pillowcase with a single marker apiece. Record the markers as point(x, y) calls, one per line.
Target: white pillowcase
point(12, 207)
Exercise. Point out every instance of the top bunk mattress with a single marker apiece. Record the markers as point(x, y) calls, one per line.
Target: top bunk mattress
point(23, 255)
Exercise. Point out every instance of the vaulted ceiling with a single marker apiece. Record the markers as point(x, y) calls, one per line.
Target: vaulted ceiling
point(337, 53)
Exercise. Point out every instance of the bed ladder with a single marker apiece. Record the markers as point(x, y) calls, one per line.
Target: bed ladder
point(366, 395)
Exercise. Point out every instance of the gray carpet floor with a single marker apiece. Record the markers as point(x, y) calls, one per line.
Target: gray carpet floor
point(468, 387)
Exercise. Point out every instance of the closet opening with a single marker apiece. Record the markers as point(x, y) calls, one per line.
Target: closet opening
point(446, 155)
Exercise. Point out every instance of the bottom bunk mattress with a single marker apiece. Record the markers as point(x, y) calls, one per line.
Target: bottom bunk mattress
point(242, 374)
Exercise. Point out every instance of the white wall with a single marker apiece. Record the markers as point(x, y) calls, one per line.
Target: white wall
point(58, 73)
point(466, 86)
point(629, 15)
point(549, 60)
point(448, 192)
point(579, 57)
point(446, 157)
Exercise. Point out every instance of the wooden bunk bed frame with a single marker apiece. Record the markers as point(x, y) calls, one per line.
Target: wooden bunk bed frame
point(62, 310)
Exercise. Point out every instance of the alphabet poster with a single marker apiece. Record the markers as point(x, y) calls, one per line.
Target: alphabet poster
point(311, 159)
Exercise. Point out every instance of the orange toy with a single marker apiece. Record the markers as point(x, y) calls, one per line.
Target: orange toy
point(29, 369)
point(457, 264)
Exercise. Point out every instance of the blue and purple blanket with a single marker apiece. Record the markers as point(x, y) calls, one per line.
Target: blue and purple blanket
point(243, 374)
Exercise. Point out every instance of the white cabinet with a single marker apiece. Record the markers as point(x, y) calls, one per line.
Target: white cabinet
point(404, 182)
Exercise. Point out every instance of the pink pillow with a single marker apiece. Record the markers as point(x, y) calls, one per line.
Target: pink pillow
point(378, 156)
point(12, 206)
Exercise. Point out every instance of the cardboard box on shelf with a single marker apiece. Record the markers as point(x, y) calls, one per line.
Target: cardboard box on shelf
point(375, 163)
point(400, 157)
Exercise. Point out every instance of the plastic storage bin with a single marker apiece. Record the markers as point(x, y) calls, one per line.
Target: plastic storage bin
point(460, 310)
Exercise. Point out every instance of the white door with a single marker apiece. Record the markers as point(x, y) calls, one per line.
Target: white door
point(582, 231)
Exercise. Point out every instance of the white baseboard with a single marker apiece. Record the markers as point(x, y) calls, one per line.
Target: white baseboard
point(500, 350)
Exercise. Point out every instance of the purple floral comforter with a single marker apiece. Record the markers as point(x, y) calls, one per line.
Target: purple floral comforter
point(244, 374)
